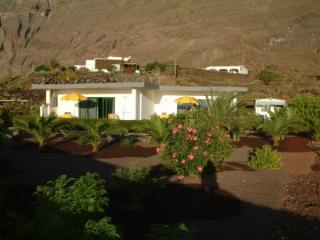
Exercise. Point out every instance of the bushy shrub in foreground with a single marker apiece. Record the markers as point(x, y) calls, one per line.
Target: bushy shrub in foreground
point(68, 208)
point(265, 157)
point(188, 150)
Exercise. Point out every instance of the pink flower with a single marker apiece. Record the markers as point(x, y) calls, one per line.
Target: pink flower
point(189, 129)
point(200, 169)
point(195, 148)
point(175, 131)
point(195, 138)
point(174, 155)
point(194, 131)
point(180, 126)
point(191, 156)
point(183, 162)
point(157, 149)
point(189, 137)
point(205, 153)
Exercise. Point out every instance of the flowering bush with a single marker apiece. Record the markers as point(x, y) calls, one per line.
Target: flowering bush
point(188, 149)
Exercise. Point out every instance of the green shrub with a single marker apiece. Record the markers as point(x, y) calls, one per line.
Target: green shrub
point(137, 182)
point(134, 126)
point(41, 68)
point(188, 150)
point(68, 208)
point(127, 142)
point(133, 174)
point(166, 232)
point(267, 77)
point(265, 157)
point(149, 67)
point(158, 129)
point(307, 107)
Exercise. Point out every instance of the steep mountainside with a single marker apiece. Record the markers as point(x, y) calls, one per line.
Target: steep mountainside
point(197, 33)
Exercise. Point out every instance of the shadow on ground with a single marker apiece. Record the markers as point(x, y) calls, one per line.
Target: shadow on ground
point(216, 213)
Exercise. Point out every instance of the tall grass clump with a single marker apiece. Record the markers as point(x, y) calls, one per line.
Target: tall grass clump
point(265, 157)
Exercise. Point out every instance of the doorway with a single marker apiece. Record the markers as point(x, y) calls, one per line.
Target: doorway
point(97, 107)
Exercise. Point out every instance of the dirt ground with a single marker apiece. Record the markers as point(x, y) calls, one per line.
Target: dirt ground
point(245, 204)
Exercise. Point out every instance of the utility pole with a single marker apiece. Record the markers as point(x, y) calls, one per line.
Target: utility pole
point(175, 68)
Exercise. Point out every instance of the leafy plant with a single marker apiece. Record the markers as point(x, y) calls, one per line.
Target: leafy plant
point(69, 208)
point(158, 129)
point(267, 77)
point(93, 132)
point(307, 108)
point(136, 181)
point(188, 149)
point(280, 123)
point(41, 68)
point(149, 67)
point(227, 112)
point(166, 232)
point(265, 158)
point(41, 129)
point(127, 142)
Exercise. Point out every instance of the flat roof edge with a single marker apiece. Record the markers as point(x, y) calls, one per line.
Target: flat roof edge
point(114, 85)
point(203, 88)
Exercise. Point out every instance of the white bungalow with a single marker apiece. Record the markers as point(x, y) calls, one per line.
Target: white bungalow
point(263, 106)
point(125, 100)
point(229, 69)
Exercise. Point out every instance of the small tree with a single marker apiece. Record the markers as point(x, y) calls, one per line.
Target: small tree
point(41, 129)
point(158, 129)
point(280, 123)
point(93, 132)
point(149, 67)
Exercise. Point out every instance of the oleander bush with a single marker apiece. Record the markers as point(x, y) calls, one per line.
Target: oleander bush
point(187, 149)
point(265, 157)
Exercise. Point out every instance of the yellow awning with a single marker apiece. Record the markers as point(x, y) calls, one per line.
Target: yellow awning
point(186, 99)
point(74, 97)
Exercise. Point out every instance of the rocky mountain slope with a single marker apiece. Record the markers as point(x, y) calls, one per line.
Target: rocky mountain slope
point(197, 33)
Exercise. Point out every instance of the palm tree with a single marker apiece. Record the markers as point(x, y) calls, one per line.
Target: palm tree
point(93, 132)
point(41, 129)
point(230, 113)
point(280, 123)
point(158, 129)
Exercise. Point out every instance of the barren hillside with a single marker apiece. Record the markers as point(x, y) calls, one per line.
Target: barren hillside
point(198, 33)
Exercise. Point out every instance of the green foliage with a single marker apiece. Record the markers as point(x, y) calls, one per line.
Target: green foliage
point(158, 129)
point(41, 129)
point(166, 232)
point(41, 68)
point(307, 108)
point(100, 230)
point(149, 67)
point(2, 131)
point(267, 77)
point(280, 123)
point(228, 112)
point(68, 208)
point(134, 126)
point(85, 195)
point(93, 132)
point(127, 142)
point(136, 181)
point(133, 174)
point(265, 158)
point(188, 150)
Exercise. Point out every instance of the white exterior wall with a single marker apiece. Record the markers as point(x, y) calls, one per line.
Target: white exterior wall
point(124, 105)
point(165, 102)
